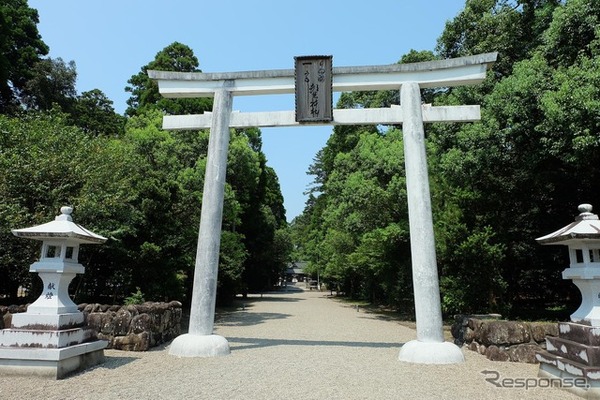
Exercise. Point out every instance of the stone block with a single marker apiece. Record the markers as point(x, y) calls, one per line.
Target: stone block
point(15, 309)
point(132, 309)
point(108, 325)
point(122, 321)
point(504, 333)
point(461, 319)
point(94, 321)
point(140, 323)
point(464, 330)
point(482, 349)
point(107, 338)
point(175, 304)
point(495, 353)
point(133, 342)
point(6, 320)
point(523, 353)
point(473, 346)
point(469, 335)
point(165, 321)
point(539, 330)
point(3, 316)
point(474, 323)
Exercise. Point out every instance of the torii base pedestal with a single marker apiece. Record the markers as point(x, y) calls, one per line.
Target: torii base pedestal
point(190, 345)
point(419, 352)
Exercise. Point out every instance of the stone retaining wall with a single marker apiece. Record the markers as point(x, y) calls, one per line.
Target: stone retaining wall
point(132, 327)
point(6, 313)
point(501, 340)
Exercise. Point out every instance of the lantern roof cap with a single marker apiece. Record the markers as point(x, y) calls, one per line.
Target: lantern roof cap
point(585, 226)
point(62, 227)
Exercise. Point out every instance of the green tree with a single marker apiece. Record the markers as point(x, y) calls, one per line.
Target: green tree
point(161, 241)
point(21, 48)
point(573, 33)
point(93, 112)
point(144, 91)
point(262, 220)
point(512, 28)
point(357, 229)
point(52, 83)
point(253, 209)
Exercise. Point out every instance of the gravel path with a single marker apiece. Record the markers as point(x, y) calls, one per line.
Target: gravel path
point(294, 345)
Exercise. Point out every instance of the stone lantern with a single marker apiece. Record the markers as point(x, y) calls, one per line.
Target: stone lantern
point(574, 356)
point(51, 337)
point(583, 239)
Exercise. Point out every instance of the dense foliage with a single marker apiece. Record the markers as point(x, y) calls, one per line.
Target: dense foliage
point(496, 185)
point(143, 192)
point(127, 179)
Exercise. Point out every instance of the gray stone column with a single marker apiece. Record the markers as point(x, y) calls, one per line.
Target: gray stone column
point(200, 340)
point(429, 348)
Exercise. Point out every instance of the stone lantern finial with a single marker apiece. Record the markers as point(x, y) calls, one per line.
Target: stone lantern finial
point(586, 213)
point(65, 214)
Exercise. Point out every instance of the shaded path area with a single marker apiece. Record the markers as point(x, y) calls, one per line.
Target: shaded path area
point(289, 345)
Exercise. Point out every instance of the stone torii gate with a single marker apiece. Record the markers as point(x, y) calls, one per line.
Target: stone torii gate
point(429, 347)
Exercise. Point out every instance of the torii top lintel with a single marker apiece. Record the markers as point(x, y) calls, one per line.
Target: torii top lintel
point(449, 72)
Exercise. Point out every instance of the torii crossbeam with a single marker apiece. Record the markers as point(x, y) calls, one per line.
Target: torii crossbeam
point(429, 347)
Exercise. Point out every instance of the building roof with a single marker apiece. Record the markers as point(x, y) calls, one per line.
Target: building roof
point(296, 268)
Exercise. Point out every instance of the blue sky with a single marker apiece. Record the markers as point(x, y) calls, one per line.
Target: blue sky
point(110, 40)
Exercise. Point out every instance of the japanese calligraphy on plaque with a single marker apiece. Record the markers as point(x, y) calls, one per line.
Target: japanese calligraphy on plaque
point(314, 101)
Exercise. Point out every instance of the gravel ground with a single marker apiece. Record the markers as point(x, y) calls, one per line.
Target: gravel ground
point(293, 345)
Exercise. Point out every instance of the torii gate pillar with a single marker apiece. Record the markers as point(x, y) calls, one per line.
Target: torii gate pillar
point(429, 347)
point(200, 340)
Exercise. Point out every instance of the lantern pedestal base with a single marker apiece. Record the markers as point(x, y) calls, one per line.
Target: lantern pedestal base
point(573, 358)
point(51, 363)
point(419, 352)
point(33, 321)
point(48, 339)
point(190, 345)
point(582, 387)
point(49, 345)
